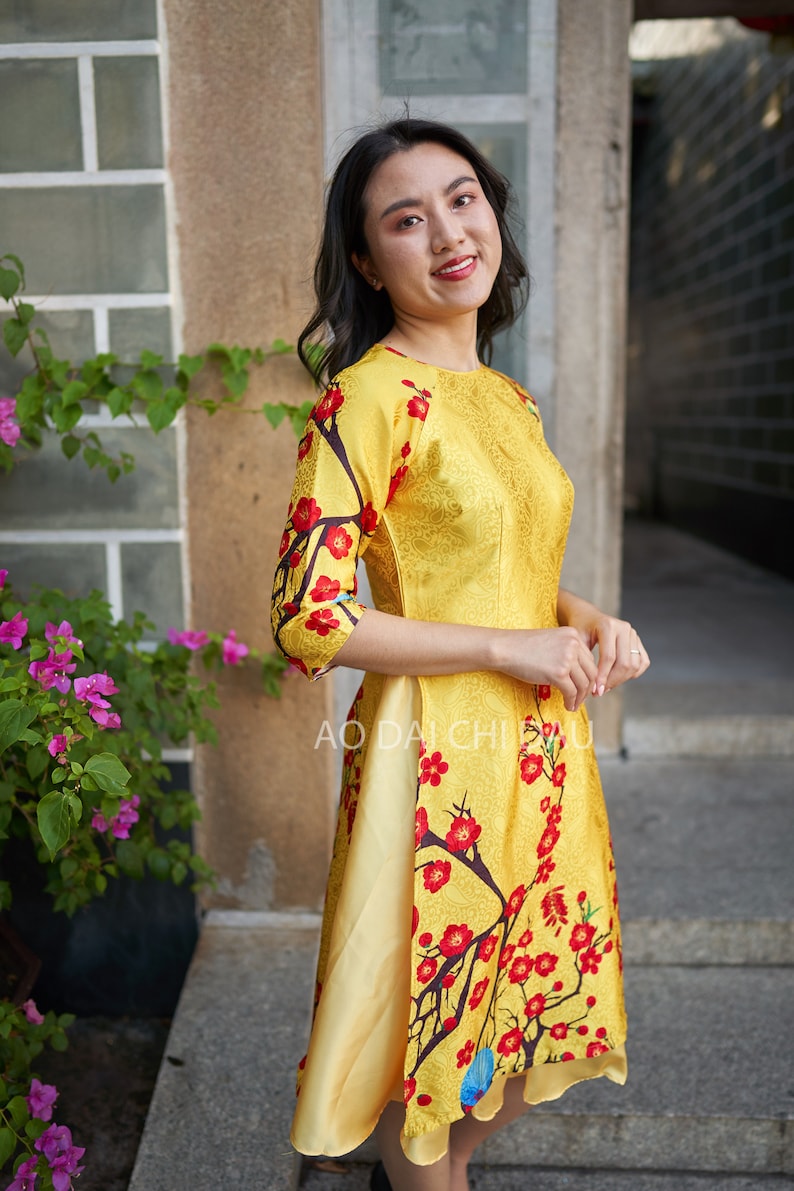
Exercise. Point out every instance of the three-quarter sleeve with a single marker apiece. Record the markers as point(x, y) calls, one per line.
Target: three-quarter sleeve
point(351, 460)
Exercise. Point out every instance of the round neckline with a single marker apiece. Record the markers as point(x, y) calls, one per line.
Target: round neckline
point(424, 364)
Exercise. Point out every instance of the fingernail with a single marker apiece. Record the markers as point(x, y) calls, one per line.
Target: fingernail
point(601, 689)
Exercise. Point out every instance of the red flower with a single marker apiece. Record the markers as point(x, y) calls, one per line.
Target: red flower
point(510, 1042)
point(417, 408)
point(284, 547)
point(545, 869)
point(520, 969)
point(525, 939)
point(554, 816)
point(307, 512)
point(405, 450)
point(547, 841)
point(478, 992)
point(436, 875)
point(432, 769)
point(305, 444)
point(414, 921)
point(426, 939)
point(545, 963)
point(448, 980)
point(408, 383)
point(455, 939)
point(426, 970)
point(559, 1032)
point(487, 947)
point(507, 955)
point(424, 1100)
point(581, 897)
point(396, 480)
point(531, 768)
point(596, 1048)
point(325, 589)
point(558, 986)
point(328, 404)
point(295, 559)
point(321, 621)
point(591, 1002)
point(548, 730)
point(601, 1032)
point(590, 961)
point(515, 901)
point(535, 1005)
point(582, 935)
point(338, 541)
point(369, 518)
point(409, 1087)
point(449, 1023)
point(583, 1030)
point(553, 907)
point(566, 1058)
point(421, 825)
point(558, 777)
point(607, 946)
point(463, 833)
point(466, 1054)
point(544, 692)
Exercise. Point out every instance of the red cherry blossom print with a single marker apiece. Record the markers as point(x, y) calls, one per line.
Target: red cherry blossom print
point(455, 939)
point(329, 403)
point(409, 384)
point(414, 921)
point(478, 992)
point(596, 1048)
point(607, 946)
point(590, 961)
point(321, 621)
point(558, 777)
point(547, 841)
point(531, 768)
point(284, 547)
point(601, 1032)
point(510, 1042)
point(422, 827)
point(548, 730)
point(545, 963)
point(558, 986)
point(305, 445)
point(520, 969)
point(581, 897)
point(295, 559)
point(450, 1023)
point(466, 1054)
point(559, 1032)
point(405, 450)
point(425, 939)
point(395, 482)
point(297, 664)
point(566, 1058)
point(525, 939)
point(338, 541)
point(553, 907)
point(448, 980)
point(515, 901)
point(582, 935)
point(545, 803)
point(591, 1002)
point(535, 1005)
point(436, 875)
point(432, 769)
point(369, 518)
point(487, 947)
point(409, 1087)
point(463, 834)
point(545, 869)
point(424, 1100)
point(506, 958)
point(544, 692)
point(307, 513)
point(554, 816)
point(418, 407)
point(583, 1030)
point(426, 970)
point(325, 589)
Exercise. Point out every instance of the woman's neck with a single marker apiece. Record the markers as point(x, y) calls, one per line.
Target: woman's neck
point(451, 345)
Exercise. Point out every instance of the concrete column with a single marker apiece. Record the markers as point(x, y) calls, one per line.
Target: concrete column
point(593, 128)
point(245, 160)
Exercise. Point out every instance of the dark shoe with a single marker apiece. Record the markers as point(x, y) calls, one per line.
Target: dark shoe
point(379, 1180)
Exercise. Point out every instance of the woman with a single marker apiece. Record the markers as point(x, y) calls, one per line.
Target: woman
point(471, 929)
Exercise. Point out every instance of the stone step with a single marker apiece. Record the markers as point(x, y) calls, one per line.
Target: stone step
point(709, 719)
point(535, 1178)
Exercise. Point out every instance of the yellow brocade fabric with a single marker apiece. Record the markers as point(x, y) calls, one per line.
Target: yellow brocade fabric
point(471, 928)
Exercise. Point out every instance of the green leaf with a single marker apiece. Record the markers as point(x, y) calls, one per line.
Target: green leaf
point(274, 413)
point(119, 401)
point(15, 334)
point(75, 806)
point(160, 414)
point(66, 417)
point(25, 312)
point(52, 814)
point(100, 882)
point(8, 1141)
point(159, 863)
point(178, 872)
point(7, 791)
point(88, 783)
point(148, 384)
point(150, 360)
point(59, 1041)
point(68, 867)
point(235, 382)
point(18, 1108)
point(36, 762)
point(70, 446)
point(280, 347)
point(9, 284)
point(108, 772)
point(14, 719)
point(190, 365)
point(9, 256)
point(75, 391)
point(34, 1128)
point(130, 858)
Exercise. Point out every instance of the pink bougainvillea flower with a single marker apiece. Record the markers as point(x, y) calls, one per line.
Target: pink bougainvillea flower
point(54, 671)
point(31, 1012)
point(126, 816)
point(58, 744)
point(91, 689)
point(233, 650)
point(64, 630)
point(190, 638)
point(105, 719)
point(41, 1098)
point(3, 577)
point(25, 1178)
point(9, 426)
point(12, 631)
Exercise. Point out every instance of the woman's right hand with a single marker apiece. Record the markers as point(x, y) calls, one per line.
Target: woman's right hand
point(557, 657)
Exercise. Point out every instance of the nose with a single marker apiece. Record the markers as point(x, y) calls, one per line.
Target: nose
point(446, 231)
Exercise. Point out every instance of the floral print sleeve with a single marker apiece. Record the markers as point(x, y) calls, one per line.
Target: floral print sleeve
point(353, 456)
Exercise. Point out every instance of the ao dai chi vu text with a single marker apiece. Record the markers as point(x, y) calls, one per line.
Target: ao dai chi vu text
point(467, 735)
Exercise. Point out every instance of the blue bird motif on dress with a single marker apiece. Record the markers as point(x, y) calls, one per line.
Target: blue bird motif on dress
point(477, 1079)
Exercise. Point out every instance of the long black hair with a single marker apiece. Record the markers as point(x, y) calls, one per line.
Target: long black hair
point(350, 316)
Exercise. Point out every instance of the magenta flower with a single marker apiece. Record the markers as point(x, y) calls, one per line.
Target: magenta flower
point(189, 638)
point(64, 629)
point(25, 1178)
point(91, 689)
point(9, 426)
point(31, 1013)
point(233, 651)
point(54, 671)
point(3, 577)
point(56, 1145)
point(12, 631)
point(99, 822)
point(41, 1098)
point(58, 744)
point(126, 816)
point(103, 717)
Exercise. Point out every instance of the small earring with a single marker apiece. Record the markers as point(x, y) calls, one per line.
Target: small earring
point(373, 281)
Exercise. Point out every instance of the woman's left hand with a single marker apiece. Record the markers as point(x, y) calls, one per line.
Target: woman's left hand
point(621, 653)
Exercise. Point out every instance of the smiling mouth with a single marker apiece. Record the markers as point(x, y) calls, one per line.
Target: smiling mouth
point(456, 266)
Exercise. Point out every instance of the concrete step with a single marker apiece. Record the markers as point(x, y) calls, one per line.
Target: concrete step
point(702, 719)
point(537, 1178)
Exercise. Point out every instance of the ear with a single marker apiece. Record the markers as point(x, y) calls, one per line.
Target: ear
point(364, 265)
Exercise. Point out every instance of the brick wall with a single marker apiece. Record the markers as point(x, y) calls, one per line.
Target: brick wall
point(710, 432)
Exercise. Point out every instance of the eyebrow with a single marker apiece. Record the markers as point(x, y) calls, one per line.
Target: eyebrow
point(412, 202)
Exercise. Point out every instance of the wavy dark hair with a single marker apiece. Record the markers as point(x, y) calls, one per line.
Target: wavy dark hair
point(350, 316)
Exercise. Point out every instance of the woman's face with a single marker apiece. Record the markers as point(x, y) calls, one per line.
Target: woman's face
point(432, 236)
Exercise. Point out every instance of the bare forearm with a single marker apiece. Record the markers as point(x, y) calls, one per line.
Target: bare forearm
point(389, 644)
